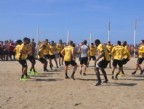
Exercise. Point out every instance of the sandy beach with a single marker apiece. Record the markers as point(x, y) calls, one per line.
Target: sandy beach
point(52, 91)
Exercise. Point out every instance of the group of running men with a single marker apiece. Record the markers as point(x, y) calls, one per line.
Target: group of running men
point(102, 54)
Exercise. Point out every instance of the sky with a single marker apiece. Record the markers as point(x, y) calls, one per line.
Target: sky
point(54, 18)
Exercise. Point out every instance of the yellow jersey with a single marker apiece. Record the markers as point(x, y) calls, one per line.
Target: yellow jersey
point(68, 53)
point(109, 48)
point(59, 47)
point(103, 48)
point(23, 51)
point(117, 52)
point(17, 51)
point(126, 53)
point(92, 51)
point(52, 50)
point(46, 50)
point(141, 51)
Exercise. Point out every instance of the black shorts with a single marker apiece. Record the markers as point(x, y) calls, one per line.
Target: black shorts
point(140, 60)
point(52, 56)
point(72, 62)
point(60, 55)
point(117, 62)
point(47, 56)
point(23, 63)
point(84, 60)
point(102, 64)
point(92, 57)
point(124, 61)
point(31, 59)
point(42, 60)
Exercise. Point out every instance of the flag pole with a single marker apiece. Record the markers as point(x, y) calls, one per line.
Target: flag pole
point(109, 31)
point(134, 37)
point(37, 40)
point(68, 37)
point(90, 38)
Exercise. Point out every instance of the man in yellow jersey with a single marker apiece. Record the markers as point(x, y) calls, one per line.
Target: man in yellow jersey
point(46, 49)
point(102, 64)
point(92, 53)
point(117, 55)
point(60, 47)
point(126, 55)
point(140, 58)
point(52, 51)
point(68, 53)
point(41, 57)
point(21, 56)
point(109, 48)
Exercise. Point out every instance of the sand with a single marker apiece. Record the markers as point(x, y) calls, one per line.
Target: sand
point(52, 91)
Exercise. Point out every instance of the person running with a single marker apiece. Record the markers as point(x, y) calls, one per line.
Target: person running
point(92, 53)
point(21, 56)
point(60, 47)
point(83, 57)
point(52, 51)
point(41, 57)
point(140, 58)
point(68, 54)
point(46, 50)
point(109, 47)
point(102, 64)
point(126, 56)
point(117, 55)
point(31, 58)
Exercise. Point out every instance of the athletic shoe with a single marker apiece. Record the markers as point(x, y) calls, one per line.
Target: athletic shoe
point(23, 79)
point(46, 70)
point(133, 73)
point(105, 81)
point(84, 74)
point(98, 83)
point(141, 72)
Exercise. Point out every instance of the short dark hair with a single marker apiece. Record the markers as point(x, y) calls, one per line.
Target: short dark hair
point(25, 39)
point(97, 41)
point(119, 42)
point(85, 42)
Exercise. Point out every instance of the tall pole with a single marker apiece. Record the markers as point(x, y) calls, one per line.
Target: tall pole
point(68, 37)
point(109, 31)
point(90, 38)
point(37, 40)
point(134, 37)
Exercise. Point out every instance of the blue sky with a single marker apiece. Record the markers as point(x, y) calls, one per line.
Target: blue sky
point(20, 18)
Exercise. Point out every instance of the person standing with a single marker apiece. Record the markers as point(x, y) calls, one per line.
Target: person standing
point(68, 54)
point(117, 55)
point(83, 57)
point(21, 56)
point(140, 58)
point(102, 64)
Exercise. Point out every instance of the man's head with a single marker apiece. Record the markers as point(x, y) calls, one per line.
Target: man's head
point(142, 41)
point(124, 43)
point(118, 42)
point(26, 40)
point(71, 43)
point(85, 42)
point(97, 42)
